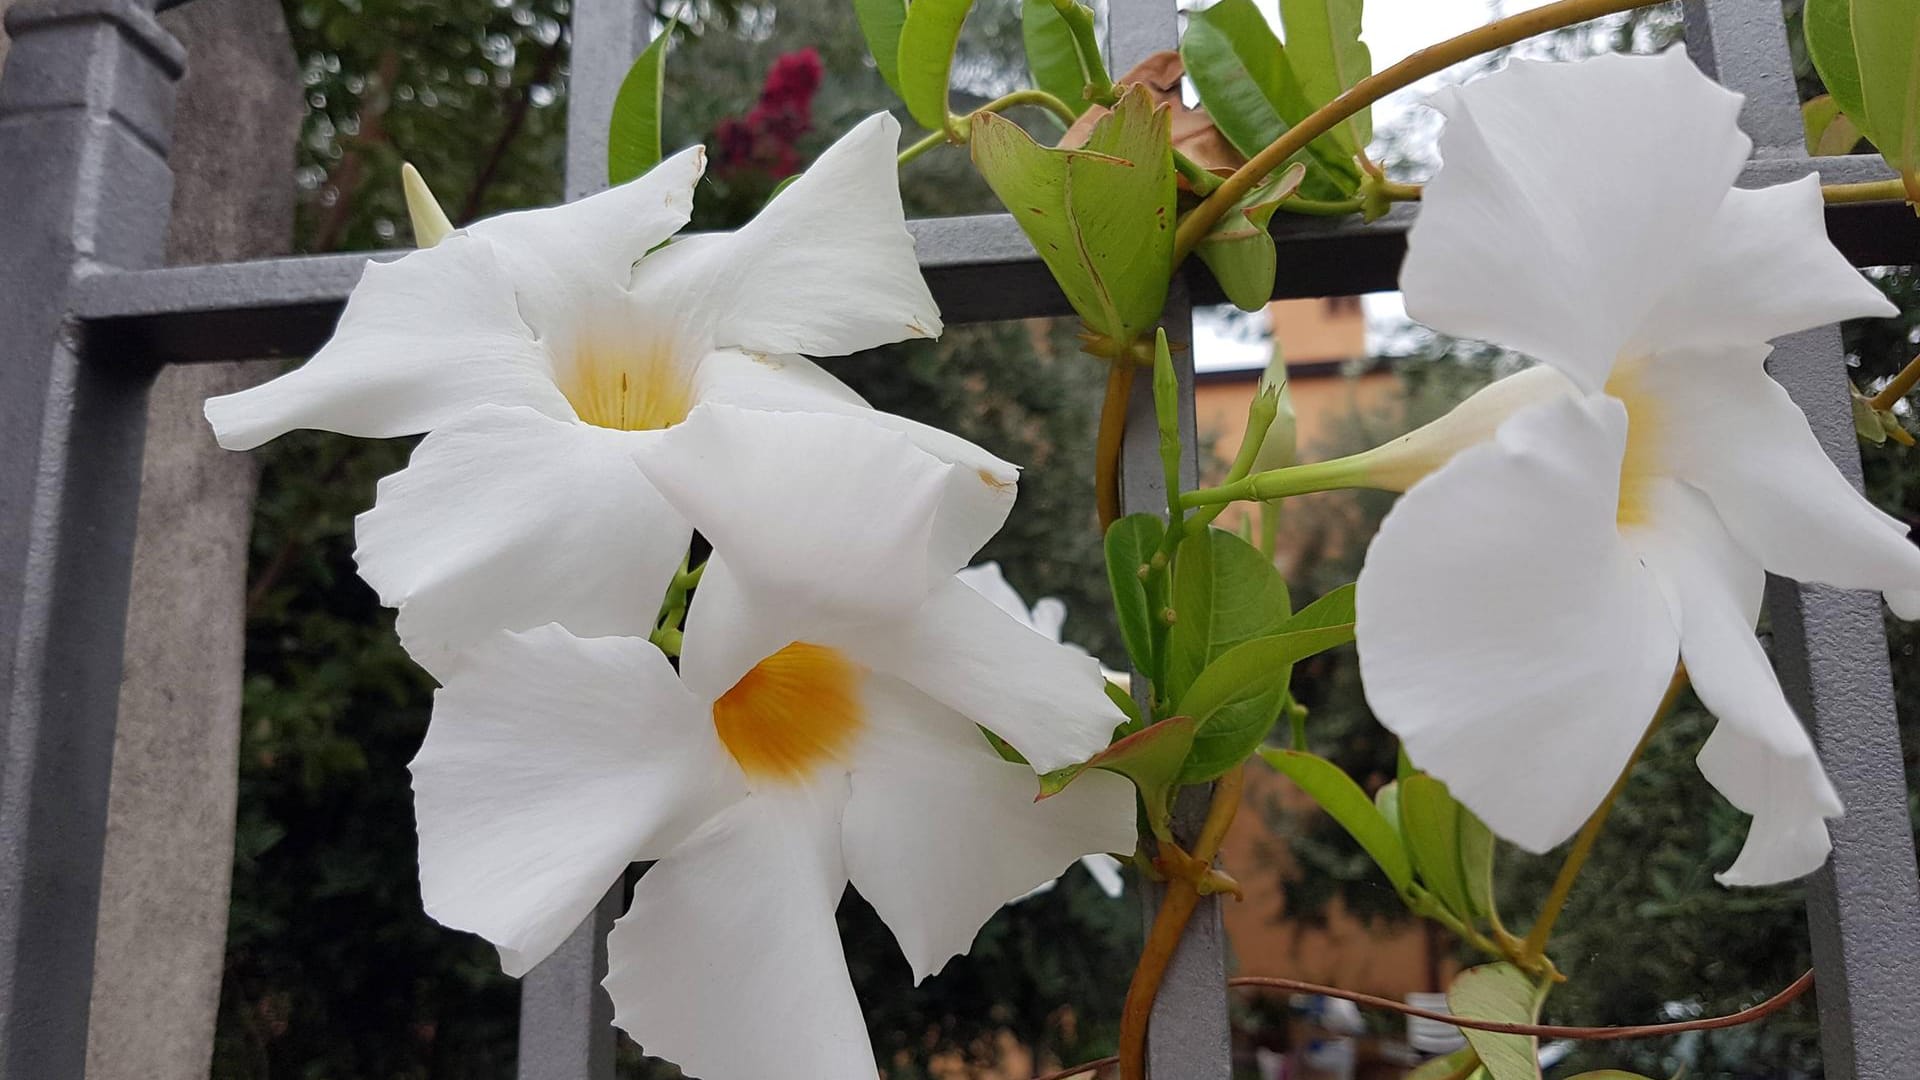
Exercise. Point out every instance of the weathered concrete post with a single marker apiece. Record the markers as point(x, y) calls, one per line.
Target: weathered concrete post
point(170, 813)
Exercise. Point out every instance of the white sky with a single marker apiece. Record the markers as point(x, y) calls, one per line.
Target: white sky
point(1393, 29)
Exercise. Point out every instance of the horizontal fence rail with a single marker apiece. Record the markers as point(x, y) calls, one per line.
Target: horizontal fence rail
point(981, 268)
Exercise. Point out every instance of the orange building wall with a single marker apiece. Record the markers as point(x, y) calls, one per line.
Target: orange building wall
point(1319, 338)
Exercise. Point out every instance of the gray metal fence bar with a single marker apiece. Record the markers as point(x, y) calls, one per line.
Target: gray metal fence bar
point(566, 1018)
point(1830, 646)
point(86, 109)
point(980, 268)
point(1189, 1037)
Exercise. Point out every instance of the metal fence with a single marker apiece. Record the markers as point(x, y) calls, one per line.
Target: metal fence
point(85, 322)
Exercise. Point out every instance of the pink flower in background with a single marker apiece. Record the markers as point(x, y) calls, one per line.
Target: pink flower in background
point(764, 140)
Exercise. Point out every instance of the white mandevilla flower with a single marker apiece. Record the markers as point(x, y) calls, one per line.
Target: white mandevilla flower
point(1047, 617)
point(822, 729)
point(547, 351)
point(1522, 609)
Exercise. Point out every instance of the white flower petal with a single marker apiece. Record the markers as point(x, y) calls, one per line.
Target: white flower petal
point(826, 511)
point(1506, 632)
point(551, 763)
point(423, 339)
point(826, 269)
point(1727, 428)
point(1789, 797)
point(1402, 463)
point(556, 252)
point(987, 580)
point(941, 833)
point(507, 519)
point(795, 384)
point(1048, 700)
point(729, 629)
point(1564, 191)
point(729, 963)
point(1759, 756)
point(1764, 268)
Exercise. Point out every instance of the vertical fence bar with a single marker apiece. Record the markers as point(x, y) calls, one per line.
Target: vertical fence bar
point(1863, 909)
point(566, 1018)
point(86, 111)
point(1188, 1036)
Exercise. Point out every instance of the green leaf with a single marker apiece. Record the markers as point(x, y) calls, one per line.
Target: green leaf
point(1430, 821)
point(1441, 1068)
point(1333, 609)
point(1607, 1074)
point(1886, 42)
point(1054, 54)
point(1323, 43)
point(1476, 863)
point(1101, 216)
point(927, 41)
point(633, 135)
point(1249, 89)
point(1830, 132)
point(1237, 698)
point(881, 22)
point(1503, 993)
point(1224, 592)
point(1866, 420)
point(1150, 757)
point(1346, 803)
point(1131, 543)
point(1387, 801)
point(1829, 32)
point(1239, 251)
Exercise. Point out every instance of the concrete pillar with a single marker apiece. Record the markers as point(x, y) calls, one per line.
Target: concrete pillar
point(170, 814)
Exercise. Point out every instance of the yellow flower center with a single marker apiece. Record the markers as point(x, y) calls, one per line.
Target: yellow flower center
point(627, 388)
point(795, 711)
point(1646, 417)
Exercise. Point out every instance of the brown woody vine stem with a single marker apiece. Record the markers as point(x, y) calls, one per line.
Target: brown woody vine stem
point(1897, 387)
point(1170, 922)
point(1113, 431)
point(1494, 35)
point(1546, 1031)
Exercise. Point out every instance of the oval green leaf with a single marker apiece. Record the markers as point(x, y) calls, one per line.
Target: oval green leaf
point(927, 40)
point(1328, 57)
point(1224, 592)
point(1346, 803)
point(1101, 216)
point(1829, 33)
point(1236, 700)
point(1886, 42)
point(1054, 53)
point(1430, 821)
point(1130, 543)
point(881, 22)
point(633, 135)
point(1503, 993)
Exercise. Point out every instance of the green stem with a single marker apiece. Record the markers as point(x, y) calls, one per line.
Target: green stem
point(1198, 176)
point(1260, 413)
point(1494, 35)
point(1536, 944)
point(1346, 472)
point(958, 128)
point(1079, 22)
point(938, 138)
point(1295, 204)
point(1897, 387)
point(1871, 191)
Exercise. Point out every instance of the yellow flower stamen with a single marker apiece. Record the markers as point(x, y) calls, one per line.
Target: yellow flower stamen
point(796, 711)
